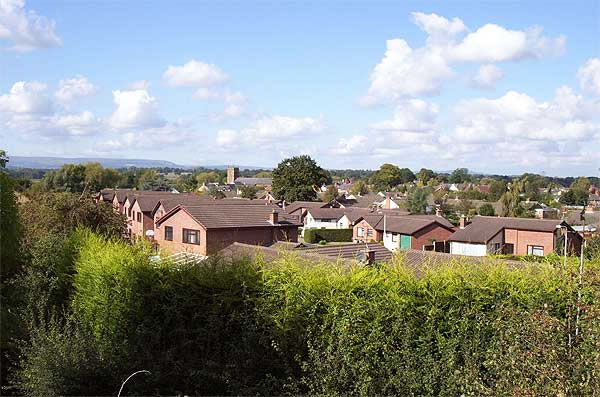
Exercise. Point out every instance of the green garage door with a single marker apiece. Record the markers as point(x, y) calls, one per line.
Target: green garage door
point(404, 242)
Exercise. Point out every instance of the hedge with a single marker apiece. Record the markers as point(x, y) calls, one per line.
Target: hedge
point(226, 327)
point(337, 235)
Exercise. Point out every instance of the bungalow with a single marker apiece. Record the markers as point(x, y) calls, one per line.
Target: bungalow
point(519, 236)
point(300, 208)
point(403, 232)
point(207, 228)
point(340, 218)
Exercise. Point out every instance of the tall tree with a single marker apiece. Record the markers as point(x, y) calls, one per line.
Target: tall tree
point(459, 175)
point(331, 193)
point(417, 201)
point(298, 178)
point(387, 177)
point(249, 192)
point(359, 187)
point(424, 175)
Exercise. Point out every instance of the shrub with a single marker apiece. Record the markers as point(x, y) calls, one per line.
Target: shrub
point(337, 235)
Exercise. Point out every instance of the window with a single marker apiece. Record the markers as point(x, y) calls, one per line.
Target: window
point(535, 250)
point(139, 216)
point(496, 248)
point(169, 233)
point(369, 232)
point(191, 236)
point(360, 232)
point(509, 249)
point(394, 237)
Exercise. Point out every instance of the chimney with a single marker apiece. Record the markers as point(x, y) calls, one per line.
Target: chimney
point(274, 217)
point(370, 257)
point(438, 211)
point(463, 222)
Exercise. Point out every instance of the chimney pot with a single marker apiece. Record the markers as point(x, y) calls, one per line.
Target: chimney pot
point(274, 217)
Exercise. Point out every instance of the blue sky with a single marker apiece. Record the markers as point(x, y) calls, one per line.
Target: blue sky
point(503, 87)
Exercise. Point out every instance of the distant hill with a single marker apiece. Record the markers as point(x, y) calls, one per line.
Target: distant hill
point(57, 162)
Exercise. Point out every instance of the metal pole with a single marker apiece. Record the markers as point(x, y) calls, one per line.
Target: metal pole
point(580, 284)
point(129, 377)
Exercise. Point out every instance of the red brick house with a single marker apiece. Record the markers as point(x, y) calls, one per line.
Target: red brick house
point(403, 232)
point(209, 227)
point(518, 236)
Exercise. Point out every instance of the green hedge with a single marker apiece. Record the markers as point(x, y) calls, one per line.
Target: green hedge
point(337, 235)
point(293, 327)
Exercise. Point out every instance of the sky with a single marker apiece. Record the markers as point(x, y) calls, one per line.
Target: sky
point(497, 86)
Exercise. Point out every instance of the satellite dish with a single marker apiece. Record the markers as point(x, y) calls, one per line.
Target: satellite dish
point(149, 233)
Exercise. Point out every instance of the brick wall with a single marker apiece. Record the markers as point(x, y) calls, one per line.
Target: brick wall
point(179, 221)
point(377, 236)
point(423, 236)
point(522, 238)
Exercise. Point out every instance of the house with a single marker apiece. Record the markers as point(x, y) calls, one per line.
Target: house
point(300, 208)
point(207, 228)
point(404, 231)
point(594, 201)
point(138, 209)
point(347, 200)
point(519, 236)
point(340, 218)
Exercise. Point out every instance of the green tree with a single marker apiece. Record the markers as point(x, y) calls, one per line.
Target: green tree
point(10, 227)
point(249, 192)
point(424, 175)
point(510, 200)
point(387, 177)
point(582, 184)
point(298, 178)
point(151, 180)
point(359, 187)
point(487, 210)
point(207, 177)
point(459, 175)
point(3, 159)
point(574, 197)
point(331, 194)
point(497, 189)
point(68, 178)
point(417, 201)
point(264, 174)
point(215, 193)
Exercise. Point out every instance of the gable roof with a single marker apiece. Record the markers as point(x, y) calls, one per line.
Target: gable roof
point(405, 224)
point(169, 203)
point(296, 205)
point(222, 216)
point(253, 181)
point(483, 228)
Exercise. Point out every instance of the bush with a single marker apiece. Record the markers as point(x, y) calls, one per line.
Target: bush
point(296, 327)
point(337, 235)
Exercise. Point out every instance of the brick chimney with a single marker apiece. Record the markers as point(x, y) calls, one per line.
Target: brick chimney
point(463, 222)
point(370, 257)
point(274, 217)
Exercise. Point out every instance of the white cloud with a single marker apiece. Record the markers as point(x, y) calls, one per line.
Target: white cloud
point(518, 116)
point(408, 72)
point(269, 132)
point(135, 109)
point(487, 76)
point(493, 43)
point(235, 104)
point(352, 146)
point(26, 97)
point(75, 88)
point(413, 115)
point(589, 76)
point(194, 74)
point(26, 29)
point(84, 123)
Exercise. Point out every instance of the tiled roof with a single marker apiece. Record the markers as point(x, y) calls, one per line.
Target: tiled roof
point(254, 181)
point(219, 216)
point(483, 228)
point(364, 201)
point(194, 199)
point(296, 205)
point(405, 224)
point(350, 251)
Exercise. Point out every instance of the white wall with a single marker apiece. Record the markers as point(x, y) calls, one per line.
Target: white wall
point(468, 249)
point(310, 222)
point(344, 223)
point(388, 243)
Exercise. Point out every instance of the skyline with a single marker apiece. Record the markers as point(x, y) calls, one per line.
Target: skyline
point(500, 89)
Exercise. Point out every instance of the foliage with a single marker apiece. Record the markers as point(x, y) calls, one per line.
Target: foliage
point(389, 176)
point(487, 210)
point(425, 175)
point(263, 174)
point(359, 187)
point(296, 327)
point(334, 235)
point(215, 193)
point(80, 177)
point(297, 178)
point(497, 189)
point(3, 159)
point(459, 175)
point(331, 194)
point(249, 192)
point(574, 197)
point(417, 201)
point(152, 180)
point(207, 177)
point(10, 227)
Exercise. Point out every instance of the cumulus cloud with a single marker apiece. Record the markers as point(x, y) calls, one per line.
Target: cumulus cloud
point(566, 117)
point(352, 146)
point(26, 30)
point(270, 131)
point(135, 109)
point(84, 123)
point(194, 74)
point(26, 98)
point(487, 76)
point(408, 72)
point(75, 88)
point(589, 76)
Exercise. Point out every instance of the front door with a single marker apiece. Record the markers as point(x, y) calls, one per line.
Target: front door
point(404, 242)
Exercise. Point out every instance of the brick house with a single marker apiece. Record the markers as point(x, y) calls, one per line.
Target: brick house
point(403, 232)
point(207, 228)
point(518, 236)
